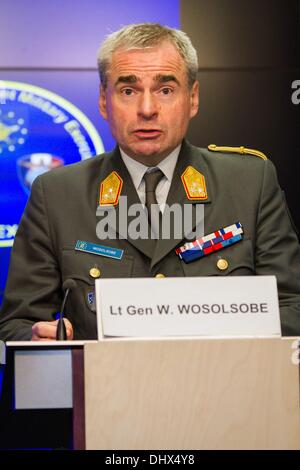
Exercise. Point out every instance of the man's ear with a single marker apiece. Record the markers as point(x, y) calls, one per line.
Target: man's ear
point(194, 99)
point(102, 102)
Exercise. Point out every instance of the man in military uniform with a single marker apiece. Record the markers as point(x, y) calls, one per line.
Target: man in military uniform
point(149, 93)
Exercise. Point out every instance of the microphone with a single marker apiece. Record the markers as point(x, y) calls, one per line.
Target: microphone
point(61, 333)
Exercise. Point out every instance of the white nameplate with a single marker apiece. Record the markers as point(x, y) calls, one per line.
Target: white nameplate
point(195, 306)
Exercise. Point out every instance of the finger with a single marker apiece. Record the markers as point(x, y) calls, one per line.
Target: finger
point(44, 330)
point(69, 329)
point(38, 338)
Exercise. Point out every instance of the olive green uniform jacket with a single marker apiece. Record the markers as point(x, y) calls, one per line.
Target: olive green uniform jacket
point(62, 209)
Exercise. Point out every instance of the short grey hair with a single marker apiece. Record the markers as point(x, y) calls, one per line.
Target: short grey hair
point(146, 35)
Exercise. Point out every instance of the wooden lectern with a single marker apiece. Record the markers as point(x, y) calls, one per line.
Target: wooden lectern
point(174, 393)
point(187, 394)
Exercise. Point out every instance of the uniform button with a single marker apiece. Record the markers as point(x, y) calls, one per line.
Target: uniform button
point(159, 276)
point(222, 264)
point(95, 272)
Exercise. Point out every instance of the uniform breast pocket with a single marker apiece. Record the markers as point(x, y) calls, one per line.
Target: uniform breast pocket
point(235, 260)
point(87, 266)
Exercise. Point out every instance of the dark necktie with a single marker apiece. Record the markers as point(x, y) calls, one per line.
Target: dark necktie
point(152, 178)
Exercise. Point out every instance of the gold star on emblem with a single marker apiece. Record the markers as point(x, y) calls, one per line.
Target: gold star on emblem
point(5, 131)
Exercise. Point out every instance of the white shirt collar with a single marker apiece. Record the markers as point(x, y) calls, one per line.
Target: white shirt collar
point(137, 169)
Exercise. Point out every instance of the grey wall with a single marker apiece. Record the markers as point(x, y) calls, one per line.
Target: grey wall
point(249, 52)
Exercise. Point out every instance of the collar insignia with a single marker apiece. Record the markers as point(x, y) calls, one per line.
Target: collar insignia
point(110, 189)
point(194, 184)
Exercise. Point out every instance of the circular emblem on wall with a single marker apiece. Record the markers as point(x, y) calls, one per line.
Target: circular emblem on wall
point(39, 131)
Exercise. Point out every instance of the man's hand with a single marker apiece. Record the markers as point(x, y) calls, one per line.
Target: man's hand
point(46, 330)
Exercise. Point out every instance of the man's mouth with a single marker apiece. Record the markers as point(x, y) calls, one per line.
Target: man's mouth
point(147, 133)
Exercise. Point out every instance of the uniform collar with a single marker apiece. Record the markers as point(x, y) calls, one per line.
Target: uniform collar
point(137, 169)
point(189, 155)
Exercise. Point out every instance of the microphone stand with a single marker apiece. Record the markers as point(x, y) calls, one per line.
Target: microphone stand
point(61, 332)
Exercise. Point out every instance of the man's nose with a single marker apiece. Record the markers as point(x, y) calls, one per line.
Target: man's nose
point(148, 106)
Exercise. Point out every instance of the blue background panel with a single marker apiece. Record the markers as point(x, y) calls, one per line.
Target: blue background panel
point(53, 45)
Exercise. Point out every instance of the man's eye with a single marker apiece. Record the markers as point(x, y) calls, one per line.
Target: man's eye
point(166, 91)
point(127, 91)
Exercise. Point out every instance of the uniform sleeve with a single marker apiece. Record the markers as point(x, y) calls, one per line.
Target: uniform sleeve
point(278, 250)
point(33, 291)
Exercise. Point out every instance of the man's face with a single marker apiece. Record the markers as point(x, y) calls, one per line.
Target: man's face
point(147, 102)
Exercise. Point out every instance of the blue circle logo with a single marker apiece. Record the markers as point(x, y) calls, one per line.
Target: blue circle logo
point(39, 131)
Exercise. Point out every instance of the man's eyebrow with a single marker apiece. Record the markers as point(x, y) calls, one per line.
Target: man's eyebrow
point(130, 79)
point(160, 78)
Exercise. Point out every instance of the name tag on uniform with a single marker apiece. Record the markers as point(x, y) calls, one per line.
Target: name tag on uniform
point(100, 250)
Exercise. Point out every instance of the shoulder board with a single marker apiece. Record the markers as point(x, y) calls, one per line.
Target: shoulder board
point(240, 150)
